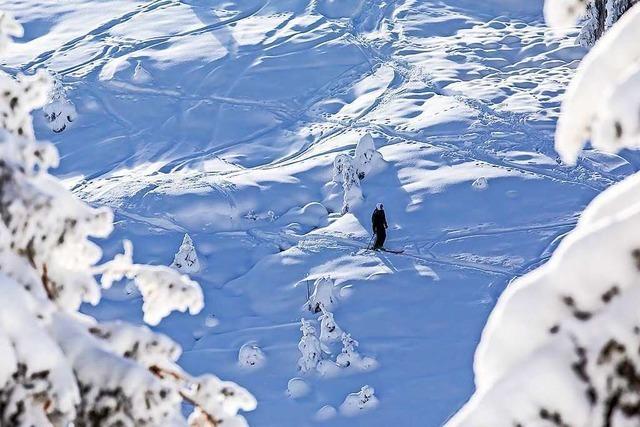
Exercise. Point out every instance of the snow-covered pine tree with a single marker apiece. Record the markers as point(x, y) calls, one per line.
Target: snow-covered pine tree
point(349, 356)
point(186, 259)
point(59, 367)
point(309, 346)
point(59, 111)
point(594, 17)
point(345, 172)
point(349, 171)
point(330, 332)
point(561, 346)
point(324, 295)
point(349, 351)
point(366, 157)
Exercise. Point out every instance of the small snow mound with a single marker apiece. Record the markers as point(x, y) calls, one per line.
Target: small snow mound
point(346, 292)
point(328, 369)
point(211, 321)
point(186, 260)
point(313, 215)
point(297, 388)
point(357, 403)
point(335, 9)
point(326, 413)
point(480, 184)
point(251, 356)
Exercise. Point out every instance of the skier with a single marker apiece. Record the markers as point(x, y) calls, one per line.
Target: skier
point(379, 225)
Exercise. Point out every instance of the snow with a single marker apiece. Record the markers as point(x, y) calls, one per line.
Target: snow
point(357, 403)
point(607, 71)
point(297, 388)
point(326, 413)
point(577, 311)
point(339, 8)
point(251, 356)
point(223, 119)
point(186, 259)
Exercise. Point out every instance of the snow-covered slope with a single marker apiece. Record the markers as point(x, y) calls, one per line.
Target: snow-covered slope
point(222, 119)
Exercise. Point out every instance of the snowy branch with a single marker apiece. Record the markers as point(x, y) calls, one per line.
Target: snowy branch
point(59, 367)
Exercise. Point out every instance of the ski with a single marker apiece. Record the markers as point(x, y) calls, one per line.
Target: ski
point(392, 251)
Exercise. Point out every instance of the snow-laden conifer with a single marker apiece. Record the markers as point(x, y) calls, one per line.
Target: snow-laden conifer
point(324, 295)
point(186, 259)
point(349, 356)
point(330, 332)
point(309, 346)
point(599, 16)
point(561, 346)
point(59, 367)
point(366, 158)
point(59, 110)
point(349, 171)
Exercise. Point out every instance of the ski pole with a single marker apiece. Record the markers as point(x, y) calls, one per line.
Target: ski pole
point(371, 241)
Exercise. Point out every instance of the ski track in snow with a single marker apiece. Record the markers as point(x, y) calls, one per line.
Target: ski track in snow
point(202, 117)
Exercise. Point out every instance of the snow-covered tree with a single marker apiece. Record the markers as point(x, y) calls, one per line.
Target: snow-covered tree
point(349, 171)
point(186, 259)
point(349, 357)
point(59, 367)
point(345, 172)
point(59, 110)
point(324, 295)
point(561, 346)
point(366, 157)
point(309, 346)
point(600, 15)
point(330, 332)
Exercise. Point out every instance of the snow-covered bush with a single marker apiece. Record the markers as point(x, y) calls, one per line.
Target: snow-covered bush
point(357, 403)
point(324, 295)
point(59, 111)
point(349, 357)
point(330, 332)
point(309, 346)
point(561, 346)
point(57, 366)
point(251, 356)
point(186, 259)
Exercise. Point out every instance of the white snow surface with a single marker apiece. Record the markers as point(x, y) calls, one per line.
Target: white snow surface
point(223, 119)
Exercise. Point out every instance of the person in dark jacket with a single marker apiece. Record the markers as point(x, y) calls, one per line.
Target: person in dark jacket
point(379, 225)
